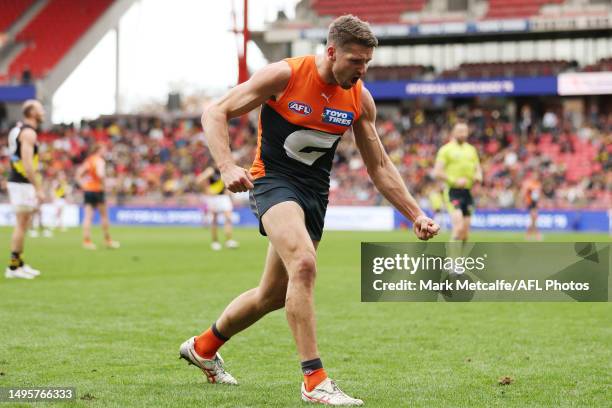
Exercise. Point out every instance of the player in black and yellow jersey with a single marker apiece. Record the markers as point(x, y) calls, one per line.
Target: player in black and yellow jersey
point(217, 201)
point(61, 189)
point(24, 185)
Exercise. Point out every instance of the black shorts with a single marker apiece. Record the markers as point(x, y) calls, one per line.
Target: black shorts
point(272, 189)
point(533, 205)
point(461, 199)
point(94, 198)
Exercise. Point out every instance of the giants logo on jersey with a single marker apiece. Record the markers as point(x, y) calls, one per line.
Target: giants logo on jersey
point(337, 117)
point(300, 107)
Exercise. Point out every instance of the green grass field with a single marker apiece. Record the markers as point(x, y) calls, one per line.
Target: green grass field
point(110, 323)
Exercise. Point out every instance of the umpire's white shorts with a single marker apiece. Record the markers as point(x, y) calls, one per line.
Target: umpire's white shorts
point(22, 196)
point(219, 203)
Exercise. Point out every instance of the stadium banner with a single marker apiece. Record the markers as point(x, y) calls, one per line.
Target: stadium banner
point(337, 218)
point(70, 215)
point(341, 218)
point(544, 85)
point(486, 272)
point(585, 83)
point(353, 218)
point(17, 93)
point(168, 216)
point(518, 220)
point(391, 31)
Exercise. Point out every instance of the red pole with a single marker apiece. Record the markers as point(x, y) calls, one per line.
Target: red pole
point(245, 30)
point(243, 69)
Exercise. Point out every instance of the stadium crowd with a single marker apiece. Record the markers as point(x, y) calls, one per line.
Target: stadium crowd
point(573, 163)
point(153, 163)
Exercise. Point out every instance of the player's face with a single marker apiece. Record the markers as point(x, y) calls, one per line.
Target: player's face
point(349, 63)
point(460, 132)
point(39, 113)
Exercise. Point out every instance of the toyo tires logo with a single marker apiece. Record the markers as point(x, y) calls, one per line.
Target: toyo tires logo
point(300, 107)
point(337, 117)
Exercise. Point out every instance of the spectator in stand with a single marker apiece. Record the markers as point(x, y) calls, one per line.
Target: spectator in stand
point(140, 156)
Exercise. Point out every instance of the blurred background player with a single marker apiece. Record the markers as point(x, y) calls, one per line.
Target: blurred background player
point(90, 176)
point(37, 227)
point(458, 165)
point(61, 190)
point(24, 186)
point(530, 191)
point(435, 196)
point(217, 202)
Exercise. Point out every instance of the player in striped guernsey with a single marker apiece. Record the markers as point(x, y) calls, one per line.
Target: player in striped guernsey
point(24, 184)
point(307, 104)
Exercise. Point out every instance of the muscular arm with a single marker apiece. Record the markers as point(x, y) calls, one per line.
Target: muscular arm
point(438, 171)
point(264, 84)
point(28, 140)
point(383, 173)
point(79, 174)
point(101, 169)
point(478, 175)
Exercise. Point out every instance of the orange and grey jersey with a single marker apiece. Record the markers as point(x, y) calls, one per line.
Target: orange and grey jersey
point(93, 181)
point(18, 174)
point(298, 133)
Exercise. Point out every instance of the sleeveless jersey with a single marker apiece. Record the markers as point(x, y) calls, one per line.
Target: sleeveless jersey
point(298, 133)
point(532, 191)
point(60, 189)
point(18, 174)
point(93, 183)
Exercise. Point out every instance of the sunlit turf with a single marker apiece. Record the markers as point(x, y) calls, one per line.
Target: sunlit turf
point(110, 322)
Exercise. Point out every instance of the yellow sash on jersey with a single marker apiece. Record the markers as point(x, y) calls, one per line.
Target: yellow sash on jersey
point(18, 165)
point(216, 187)
point(60, 191)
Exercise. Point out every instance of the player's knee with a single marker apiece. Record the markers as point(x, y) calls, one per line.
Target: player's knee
point(304, 268)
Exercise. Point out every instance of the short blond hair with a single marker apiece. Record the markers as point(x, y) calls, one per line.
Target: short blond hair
point(28, 106)
point(348, 29)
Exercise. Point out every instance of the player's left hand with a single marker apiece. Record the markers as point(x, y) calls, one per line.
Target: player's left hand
point(425, 228)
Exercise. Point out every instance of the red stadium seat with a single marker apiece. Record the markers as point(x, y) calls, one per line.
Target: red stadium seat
point(51, 34)
point(369, 10)
point(11, 10)
point(501, 9)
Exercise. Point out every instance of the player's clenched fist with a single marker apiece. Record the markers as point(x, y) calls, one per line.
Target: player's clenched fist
point(425, 228)
point(236, 178)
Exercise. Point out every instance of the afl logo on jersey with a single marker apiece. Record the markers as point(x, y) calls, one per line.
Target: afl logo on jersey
point(300, 107)
point(337, 117)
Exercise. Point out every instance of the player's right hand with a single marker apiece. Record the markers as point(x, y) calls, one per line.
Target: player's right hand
point(236, 178)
